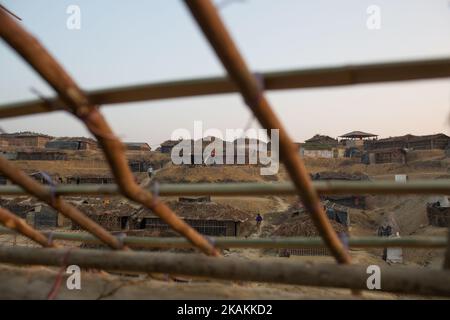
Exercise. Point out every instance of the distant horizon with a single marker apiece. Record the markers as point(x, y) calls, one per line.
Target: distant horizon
point(157, 145)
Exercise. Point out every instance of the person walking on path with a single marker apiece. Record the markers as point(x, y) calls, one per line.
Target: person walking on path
point(259, 219)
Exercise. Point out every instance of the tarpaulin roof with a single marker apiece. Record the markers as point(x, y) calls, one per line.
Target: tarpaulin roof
point(358, 134)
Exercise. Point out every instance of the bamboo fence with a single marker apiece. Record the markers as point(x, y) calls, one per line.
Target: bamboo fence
point(85, 106)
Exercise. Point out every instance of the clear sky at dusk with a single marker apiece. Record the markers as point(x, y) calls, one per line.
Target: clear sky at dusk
point(134, 42)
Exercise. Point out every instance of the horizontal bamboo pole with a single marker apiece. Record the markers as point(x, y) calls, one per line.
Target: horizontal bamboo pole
point(431, 187)
point(405, 280)
point(295, 79)
point(258, 243)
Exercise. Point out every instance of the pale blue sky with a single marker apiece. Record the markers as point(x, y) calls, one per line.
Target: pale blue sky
point(132, 42)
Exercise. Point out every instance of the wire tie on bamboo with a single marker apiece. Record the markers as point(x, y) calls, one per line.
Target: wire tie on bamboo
point(211, 241)
point(50, 238)
point(344, 239)
point(51, 183)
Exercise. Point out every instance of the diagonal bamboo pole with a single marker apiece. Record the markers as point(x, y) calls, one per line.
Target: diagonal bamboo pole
point(215, 31)
point(50, 70)
point(13, 222)
point(44, 194)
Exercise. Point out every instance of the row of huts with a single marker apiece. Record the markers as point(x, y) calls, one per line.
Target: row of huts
point(370, 149)
point(355, 144)
point(239, 151)
point(42, 141)
point(208, 218)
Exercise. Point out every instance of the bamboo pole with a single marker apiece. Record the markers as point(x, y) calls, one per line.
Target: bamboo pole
point(393, 279)
point(447, 253)
point(78, 104)
point(17, 225)
point(215, 31)
point(258, 243)
point(430, 187)
point(280, 80)
point(10, 12)
point(36, 189)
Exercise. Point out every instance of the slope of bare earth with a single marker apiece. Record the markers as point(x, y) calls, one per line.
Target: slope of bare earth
point(87, 162)
point(218, 173)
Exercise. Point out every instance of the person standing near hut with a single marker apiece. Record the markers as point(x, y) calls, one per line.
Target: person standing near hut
point(150, 172)
point(259, 219)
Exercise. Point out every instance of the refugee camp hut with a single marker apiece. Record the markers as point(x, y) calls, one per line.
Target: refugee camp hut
point(354, 152)
point(208, 218)
point(9, 155)
point(90, 179)
point(206, 151)
point(111, 221)
point(309, 151)
point(356, 138)
point(41, 156)
point(337, 213)
point(438, 214)
point(333, 210)
point(108, 213)
point(393, 155)
point(139, 165)
point(43, 216)
point(137, 146)
point(203, 151)
point(219, 227)
point(247, 151)
point(20, 207)
point(24, 139)
point(322, 140)
point(167, 146)
point(303, 226)
point(72, 143)
point(353, 201)
point(409, 141)
point(319, 146)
